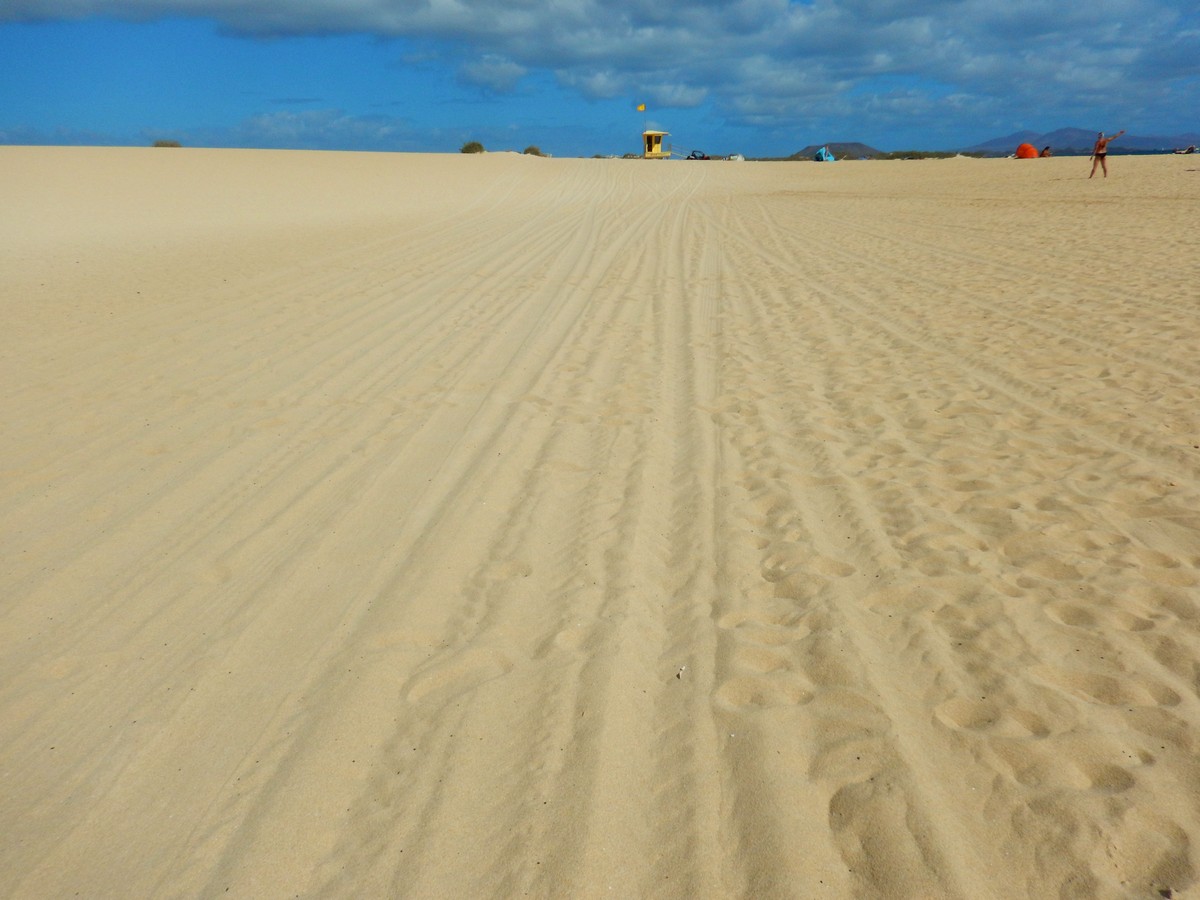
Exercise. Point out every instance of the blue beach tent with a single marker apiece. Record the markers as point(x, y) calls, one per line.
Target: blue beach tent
point(823, 155)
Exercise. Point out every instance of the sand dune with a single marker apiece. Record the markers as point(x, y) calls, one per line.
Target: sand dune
point(472, 526)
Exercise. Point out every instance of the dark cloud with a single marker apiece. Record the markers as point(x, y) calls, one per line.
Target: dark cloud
point(764, 61)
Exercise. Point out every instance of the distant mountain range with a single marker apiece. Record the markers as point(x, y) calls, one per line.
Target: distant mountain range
point(1064, 141)
point(1080, 140)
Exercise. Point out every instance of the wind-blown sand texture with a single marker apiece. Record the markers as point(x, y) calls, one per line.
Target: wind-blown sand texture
point(494, 526)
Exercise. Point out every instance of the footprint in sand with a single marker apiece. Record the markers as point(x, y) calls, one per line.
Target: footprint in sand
point(1097, 687)
point(1076, 616)
point(750, 692)
point(991, 717)
point(853, 758)
point(1057, 772)
point(760, 660)
point(765, 628)
point(467, 671)
point(572, 637)
point(834, 568)
point(505, 569)
point(405, 639)
point(800, 576)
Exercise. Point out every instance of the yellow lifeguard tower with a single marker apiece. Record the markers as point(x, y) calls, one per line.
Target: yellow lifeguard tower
point(652, 145)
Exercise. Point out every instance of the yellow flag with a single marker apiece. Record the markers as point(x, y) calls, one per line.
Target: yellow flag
point(641, 107)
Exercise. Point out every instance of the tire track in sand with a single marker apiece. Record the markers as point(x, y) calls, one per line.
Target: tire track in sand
point(875, 444)
point(461, 672)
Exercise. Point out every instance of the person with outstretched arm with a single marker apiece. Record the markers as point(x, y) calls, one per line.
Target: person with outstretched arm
point(1100, 151)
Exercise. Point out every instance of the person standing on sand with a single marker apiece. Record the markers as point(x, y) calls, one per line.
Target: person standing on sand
point(1100, 151)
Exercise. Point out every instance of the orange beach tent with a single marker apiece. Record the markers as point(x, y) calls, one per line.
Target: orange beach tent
point(1027, 151)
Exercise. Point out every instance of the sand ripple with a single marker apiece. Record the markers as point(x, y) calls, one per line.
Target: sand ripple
point(452, 526)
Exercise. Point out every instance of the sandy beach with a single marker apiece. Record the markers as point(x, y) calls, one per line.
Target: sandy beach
point(449, 526)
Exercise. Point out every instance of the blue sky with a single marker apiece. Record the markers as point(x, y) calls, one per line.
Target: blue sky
point(759, 77)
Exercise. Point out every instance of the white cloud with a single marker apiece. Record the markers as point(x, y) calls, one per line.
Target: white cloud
point(318, 129)
point(493, 72)
point(678, 96)
point(598, 85)
point(759, 60)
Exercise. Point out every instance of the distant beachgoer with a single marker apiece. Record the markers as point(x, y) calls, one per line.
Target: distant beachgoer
point(1045, 154)
point(1100, 151)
